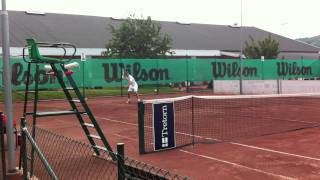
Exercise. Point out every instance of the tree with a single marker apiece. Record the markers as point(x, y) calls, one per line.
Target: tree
point(269, 48)
point(138, 38)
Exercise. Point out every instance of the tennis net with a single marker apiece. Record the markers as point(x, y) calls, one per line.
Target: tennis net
point(210, 119)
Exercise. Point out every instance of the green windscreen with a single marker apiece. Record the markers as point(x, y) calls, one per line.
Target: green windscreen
point(107, 72)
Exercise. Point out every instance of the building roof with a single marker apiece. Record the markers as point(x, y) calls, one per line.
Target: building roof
point(92, 32)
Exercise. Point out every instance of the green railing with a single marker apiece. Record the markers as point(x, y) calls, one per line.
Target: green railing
point(27, 136)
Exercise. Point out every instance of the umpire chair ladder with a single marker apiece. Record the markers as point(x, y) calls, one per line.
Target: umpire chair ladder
point(79, 106)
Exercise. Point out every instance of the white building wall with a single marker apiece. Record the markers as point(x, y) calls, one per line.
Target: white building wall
point(266, 86)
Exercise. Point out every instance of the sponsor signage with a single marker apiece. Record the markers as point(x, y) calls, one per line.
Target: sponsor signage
point(107, 72)
point(163, 126)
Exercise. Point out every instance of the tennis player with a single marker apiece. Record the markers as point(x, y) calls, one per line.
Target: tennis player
point(132, 85)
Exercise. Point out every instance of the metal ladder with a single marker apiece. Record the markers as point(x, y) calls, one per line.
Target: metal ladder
point(79, 106)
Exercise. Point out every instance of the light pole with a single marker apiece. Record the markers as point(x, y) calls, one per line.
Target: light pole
point(7, 85)
point(240, 75)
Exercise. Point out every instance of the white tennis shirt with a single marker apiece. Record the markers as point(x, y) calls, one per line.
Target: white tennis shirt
point(131, 80)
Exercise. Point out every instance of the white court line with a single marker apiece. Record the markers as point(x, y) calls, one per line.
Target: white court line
point(126, 137)
point(240, 166)
point(234, 143)
point(117, 121)
point(274, 151)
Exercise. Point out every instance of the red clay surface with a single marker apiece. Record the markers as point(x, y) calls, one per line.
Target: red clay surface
point(291, 155)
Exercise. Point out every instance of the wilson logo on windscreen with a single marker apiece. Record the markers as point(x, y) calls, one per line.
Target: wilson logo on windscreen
point(112, 72)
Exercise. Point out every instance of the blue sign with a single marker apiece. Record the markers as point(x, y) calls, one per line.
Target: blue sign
point(163, 126)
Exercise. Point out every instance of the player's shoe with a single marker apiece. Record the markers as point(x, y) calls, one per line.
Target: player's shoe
point(128, 102)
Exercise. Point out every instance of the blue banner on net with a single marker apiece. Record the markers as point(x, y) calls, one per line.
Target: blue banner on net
point(163, 126)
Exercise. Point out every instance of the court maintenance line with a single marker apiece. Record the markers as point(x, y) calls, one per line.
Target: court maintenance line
point(240, 166)
point(233, 143)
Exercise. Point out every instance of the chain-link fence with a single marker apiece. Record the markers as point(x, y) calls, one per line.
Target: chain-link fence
point(69, 159)
point(47, 155)
point(140, 170)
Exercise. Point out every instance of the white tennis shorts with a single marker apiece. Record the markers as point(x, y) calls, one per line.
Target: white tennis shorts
point(133, 88)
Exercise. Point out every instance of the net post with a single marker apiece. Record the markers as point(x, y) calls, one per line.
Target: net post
point(141, 127)
point(120, 157)
point(192, 121)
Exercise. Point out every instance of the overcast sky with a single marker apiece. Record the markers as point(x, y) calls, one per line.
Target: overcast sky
point(290, 18)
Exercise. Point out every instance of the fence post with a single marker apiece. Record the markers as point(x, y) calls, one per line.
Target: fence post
point(121, 165)
point(213, 79)
point(121, 78)
point(158, 84)
point(241, 77)
point(279, 85)
point(3, 155)
point(187, 78)
point(83, 60)
point(24, 149)
point(141, 127)
point(121, 87)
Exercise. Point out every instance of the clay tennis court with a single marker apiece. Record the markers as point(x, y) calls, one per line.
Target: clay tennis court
point(289, 155)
